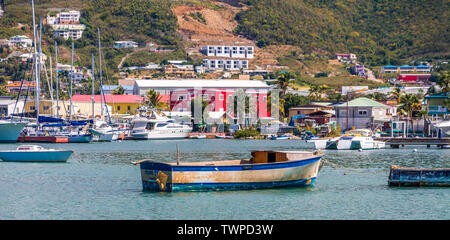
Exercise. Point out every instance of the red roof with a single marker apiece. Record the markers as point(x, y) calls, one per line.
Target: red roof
point(109, 98)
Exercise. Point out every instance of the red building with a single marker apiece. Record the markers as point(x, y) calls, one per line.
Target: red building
point(180, 100)
point(413, 77)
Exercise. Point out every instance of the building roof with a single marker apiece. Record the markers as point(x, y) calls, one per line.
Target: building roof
point(109, 98)
point(390, 66)
point(112, 87)
point(363, 102)
point(202, 84)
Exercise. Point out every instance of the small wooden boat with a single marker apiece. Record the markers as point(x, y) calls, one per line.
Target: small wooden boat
point(266, 169)
point(433, 177)
point(35, 153)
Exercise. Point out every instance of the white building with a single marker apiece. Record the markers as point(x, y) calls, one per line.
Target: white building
point(362, 113)
point(228, 51)
point(7, 106)
point(26, 56)
point(225, 64)
point(166, 86)
point(69, 17)
point(74, 31)
point(20, 41)
point(125, 44)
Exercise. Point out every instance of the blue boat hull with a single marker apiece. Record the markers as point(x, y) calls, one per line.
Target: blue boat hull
point(38, 156)
point(80, 138)
point(157, 176)
point(9, 132)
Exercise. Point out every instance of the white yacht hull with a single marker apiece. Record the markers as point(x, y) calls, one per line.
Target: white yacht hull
point(157, 134)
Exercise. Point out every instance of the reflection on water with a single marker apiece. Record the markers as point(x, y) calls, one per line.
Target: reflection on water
point(99, 182)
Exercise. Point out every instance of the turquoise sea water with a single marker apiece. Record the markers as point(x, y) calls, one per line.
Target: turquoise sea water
point(99, 182)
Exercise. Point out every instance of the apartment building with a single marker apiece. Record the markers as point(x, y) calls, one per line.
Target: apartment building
point(228, 51)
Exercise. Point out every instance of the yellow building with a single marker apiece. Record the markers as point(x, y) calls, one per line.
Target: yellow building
point(118, 104)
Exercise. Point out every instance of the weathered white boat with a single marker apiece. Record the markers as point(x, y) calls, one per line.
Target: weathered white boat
point(266, 169)
point(35, 153)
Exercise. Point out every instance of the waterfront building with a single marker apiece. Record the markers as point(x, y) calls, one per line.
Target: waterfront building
point(216, 92)
point(437, 105)
point(362, 113)
point(119, 104)
point(320, 114)
point(7, 106)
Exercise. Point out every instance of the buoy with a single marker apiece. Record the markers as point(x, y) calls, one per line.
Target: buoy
point(360, 150)
point(415, 150)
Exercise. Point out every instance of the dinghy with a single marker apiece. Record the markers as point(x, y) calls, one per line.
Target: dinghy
point(35, 153)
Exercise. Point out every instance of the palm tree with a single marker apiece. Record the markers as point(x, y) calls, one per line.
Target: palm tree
point(444, 82)
point(397, 94)
point(118, 91)
point(153, 100)
point(316, 91)
point(409, 103)
point(283, 81)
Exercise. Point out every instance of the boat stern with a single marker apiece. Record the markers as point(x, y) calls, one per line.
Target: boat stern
point(156, 176)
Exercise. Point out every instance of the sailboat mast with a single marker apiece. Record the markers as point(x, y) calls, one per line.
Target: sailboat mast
point(71, 78)
point(93, 92)
point(56, 79)
point(38, 88)
point(100, 64)
point(35, 59)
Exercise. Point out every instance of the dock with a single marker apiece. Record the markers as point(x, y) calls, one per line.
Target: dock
point(43, 139)
point(425, 141)
point(430, 177)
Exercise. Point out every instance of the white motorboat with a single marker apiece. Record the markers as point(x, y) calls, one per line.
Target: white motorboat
point(198, 136)
point(103, 132)
point(445, 128)
point(35, 153)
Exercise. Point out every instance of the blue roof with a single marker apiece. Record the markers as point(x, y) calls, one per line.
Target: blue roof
point(390, 66)
point(406, 66)
point(423, 66)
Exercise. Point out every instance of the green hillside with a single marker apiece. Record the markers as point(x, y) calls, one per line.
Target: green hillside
point(380, 32)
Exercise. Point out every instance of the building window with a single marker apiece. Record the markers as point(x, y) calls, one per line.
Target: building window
point(221, 97)
point(118, 108)
point(362, 112)
point(32, 108)
point(129, 108)
point(46, 108)
point(181, 98)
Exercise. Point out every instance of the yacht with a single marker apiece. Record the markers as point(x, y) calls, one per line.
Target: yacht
point(10, 131)
point(354, 140)
point(351, 140)
point(35, 153)
point(103, 132)
point(158, 127)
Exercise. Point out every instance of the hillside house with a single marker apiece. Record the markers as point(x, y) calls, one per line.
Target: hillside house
point(225, 64)
point(20, 41)
point(228, 51)
point(125, 44)
point(350, 57)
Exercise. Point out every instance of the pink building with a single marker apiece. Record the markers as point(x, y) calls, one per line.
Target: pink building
point(180, 100)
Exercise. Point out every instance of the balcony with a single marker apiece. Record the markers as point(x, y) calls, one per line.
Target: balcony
point(438, 110)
